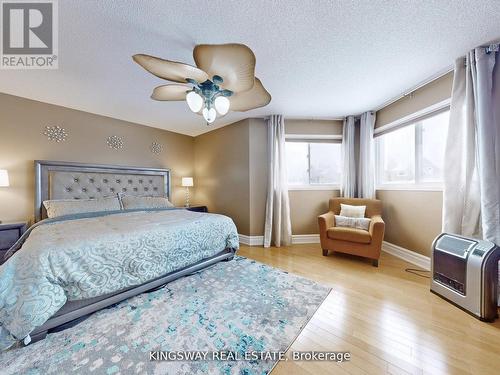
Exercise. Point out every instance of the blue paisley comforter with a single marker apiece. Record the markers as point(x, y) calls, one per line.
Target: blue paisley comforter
point(88, 255)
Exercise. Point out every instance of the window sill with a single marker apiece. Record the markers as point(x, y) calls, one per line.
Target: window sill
point(314, 187)
point(410, 187)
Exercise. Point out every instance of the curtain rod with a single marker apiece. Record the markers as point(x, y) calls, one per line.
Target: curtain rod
point(432, 78)
point(309, 118)
point(493, 48)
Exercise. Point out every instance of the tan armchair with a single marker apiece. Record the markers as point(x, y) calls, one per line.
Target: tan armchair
point(350, 240)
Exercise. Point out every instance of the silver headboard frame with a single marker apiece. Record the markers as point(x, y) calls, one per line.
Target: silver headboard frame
point(68, 180)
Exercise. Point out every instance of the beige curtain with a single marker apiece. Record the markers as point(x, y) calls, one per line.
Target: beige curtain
point(366, 166)
point(471, 197)
point(277, 226)
point(348, 178)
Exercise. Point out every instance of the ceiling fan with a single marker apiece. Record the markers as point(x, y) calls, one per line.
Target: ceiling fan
point(222, 80)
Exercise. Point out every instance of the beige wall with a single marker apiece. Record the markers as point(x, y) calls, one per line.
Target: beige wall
point(413, 218)
point(222, 172)
point(306, 205)
point(404, 210)
point(258, 175)
point(23, 121)
point(432, 93)
point(313, 127)
point(231, 175)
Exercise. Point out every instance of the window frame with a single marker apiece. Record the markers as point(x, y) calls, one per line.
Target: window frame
point(416, 121)
point(307, 138)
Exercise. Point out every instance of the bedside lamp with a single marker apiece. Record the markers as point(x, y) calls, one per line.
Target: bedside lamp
point(187, 182)
point(4, 179)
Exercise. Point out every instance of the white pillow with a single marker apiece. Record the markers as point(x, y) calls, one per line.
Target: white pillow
point(352, 211)
point(61, 207)
point(135, 202)
point(352, 222)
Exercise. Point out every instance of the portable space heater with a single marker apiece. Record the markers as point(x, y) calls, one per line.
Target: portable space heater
point(465, 272)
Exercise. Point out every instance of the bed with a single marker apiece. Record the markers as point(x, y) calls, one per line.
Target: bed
point(65, 268)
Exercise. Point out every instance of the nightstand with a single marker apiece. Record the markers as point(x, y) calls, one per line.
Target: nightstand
point(197, 208)
point(9, 234)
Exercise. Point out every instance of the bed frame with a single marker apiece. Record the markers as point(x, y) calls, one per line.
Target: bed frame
point(64, 180)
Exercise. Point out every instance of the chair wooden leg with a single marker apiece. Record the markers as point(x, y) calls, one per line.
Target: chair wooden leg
point(325, 252)
point(375, 262)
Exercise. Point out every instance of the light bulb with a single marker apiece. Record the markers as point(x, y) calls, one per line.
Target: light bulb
point(222, 105)
point(194, 101)
point(209, 114)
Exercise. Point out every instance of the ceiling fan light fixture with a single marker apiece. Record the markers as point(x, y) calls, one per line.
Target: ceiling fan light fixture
point(209, 114)
point(194, 101)
point(222, 80)
point(222, 105)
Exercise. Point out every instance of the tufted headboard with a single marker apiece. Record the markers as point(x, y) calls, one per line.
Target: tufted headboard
point(65, 180)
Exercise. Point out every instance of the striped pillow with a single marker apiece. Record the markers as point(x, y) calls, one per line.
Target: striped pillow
point(352, 222)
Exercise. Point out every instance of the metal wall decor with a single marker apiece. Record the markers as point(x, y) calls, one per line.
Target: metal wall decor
point(55, 133)
point(156, 148)
point(115, 142)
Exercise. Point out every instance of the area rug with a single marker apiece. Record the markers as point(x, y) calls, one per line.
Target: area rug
point(236, 307)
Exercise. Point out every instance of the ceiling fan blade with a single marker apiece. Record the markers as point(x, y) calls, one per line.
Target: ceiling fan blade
point(251, 99)
point(170, 92)
point(235, 63)
point(170, 70)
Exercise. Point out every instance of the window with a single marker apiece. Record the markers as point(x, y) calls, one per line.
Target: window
point(313, 164)
point(413, 156)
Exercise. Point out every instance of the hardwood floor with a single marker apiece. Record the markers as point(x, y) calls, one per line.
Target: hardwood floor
point(385, 317)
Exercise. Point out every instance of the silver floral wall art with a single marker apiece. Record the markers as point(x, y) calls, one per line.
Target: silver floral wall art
point(156, 148)
point(55, 133)
point(115, 142)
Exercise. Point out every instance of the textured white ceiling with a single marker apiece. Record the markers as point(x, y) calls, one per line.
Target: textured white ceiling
point(318, 59)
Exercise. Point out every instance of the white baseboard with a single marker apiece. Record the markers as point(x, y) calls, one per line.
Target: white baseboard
point(296, 239)
point(410, 256)
point(251, 240)
point(305, 238)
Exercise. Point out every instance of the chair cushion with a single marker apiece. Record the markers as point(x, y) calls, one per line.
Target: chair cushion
point(349, 234)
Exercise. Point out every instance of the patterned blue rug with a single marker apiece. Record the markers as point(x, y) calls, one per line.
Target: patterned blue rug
point(238, 307)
